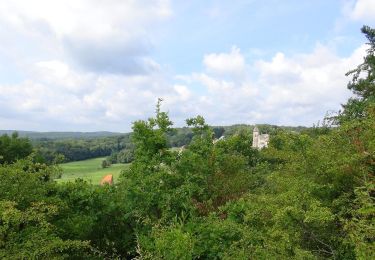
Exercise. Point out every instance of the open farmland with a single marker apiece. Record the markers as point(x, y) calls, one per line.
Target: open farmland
point(90, 170)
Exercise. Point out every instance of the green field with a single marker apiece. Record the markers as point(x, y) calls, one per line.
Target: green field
point(89, 170)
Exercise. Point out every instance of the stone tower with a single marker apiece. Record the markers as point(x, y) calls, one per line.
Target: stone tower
point(260, 140)
point(255, 137)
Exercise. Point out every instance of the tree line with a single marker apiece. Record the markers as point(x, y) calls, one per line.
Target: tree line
point(120, 149)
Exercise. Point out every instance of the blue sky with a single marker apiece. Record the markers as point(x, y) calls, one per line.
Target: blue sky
point(88, 65)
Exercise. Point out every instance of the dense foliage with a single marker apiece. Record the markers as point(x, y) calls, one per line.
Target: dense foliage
point(60, 135)
point(13, 148)
point(69, 150)
point(309, 195)
point(75, 146)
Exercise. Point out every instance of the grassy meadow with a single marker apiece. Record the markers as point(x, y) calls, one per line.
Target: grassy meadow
point(89, 170)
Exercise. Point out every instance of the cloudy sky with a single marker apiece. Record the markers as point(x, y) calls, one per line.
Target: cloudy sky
point(88, 65)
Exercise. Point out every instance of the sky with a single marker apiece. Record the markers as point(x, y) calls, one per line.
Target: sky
point(95, 65)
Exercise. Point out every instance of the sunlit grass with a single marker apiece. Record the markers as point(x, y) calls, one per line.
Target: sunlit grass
point(90, 170)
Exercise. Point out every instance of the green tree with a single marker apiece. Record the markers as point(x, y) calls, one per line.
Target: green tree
point(150, 138)
point(29, 234)
point(13, 148)
point(362, 83)
point(105, 163)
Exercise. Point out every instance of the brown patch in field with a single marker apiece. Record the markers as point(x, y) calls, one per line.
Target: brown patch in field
point(108, 179)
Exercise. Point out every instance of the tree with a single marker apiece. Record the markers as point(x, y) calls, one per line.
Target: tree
point(362, 83)
point(364, 88)
point(29, 234)
point(106, 164)
point(13, 148)
point(150, 137)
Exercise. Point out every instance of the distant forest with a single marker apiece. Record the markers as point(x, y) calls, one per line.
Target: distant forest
point(76, 146)
point(59, 135)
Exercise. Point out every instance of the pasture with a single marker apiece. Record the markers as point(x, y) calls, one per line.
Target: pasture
point(89, 170)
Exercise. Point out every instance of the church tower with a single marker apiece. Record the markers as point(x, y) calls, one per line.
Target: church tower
point(255, 137)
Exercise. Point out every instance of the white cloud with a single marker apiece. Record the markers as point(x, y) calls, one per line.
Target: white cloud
point(315, 79)
point(363, 10)
point(214, 85)
point(81, 64)
point(91, 19)
point(58, 73)
point(232, 63)
point(286, 90)
point(79, 101)
point(104, 36)
point(183, 92)
point(87, 65)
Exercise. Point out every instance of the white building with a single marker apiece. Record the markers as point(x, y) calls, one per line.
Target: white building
point(260, 140)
